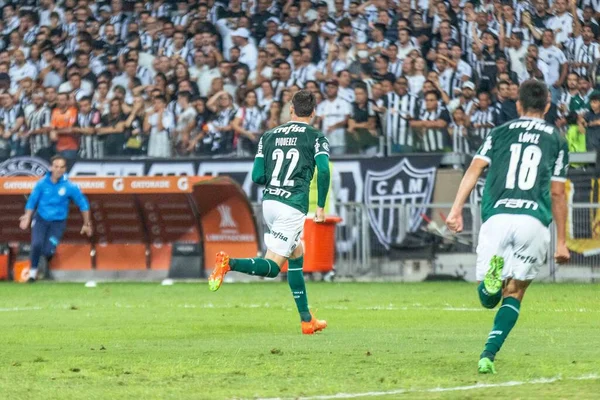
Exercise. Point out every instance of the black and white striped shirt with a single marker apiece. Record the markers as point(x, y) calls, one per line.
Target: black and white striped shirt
point(483, 117)
point(163, 42)
point(146, 41)
point(460, 142)
point(91, 146)
point(9, 119)
point(435, 139)
point(38, 119)
point(30, 35)
point(399, 110)
point(395, 67)
point(144, 75)
point(162, 11)
point(180, 20)
point(279, 86)
point(251, 118)
point(171, 51)
point(580, 52)
point(305, 73)
point(565, 100)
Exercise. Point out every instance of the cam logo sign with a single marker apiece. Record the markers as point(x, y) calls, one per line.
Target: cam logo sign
point(386, 194)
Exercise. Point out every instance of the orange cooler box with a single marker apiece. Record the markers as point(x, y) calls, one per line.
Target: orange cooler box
point(319, 245)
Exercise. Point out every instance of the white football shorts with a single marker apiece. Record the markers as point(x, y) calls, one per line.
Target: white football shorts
point(285, 225)
point(522, 241)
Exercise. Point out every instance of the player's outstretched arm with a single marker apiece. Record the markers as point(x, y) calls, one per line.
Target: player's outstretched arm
point(454, 220)
point(559, 213)
point(323, 180)
point(84, 206)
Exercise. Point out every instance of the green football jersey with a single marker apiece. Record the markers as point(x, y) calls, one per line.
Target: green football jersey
point(289, 153)
point(525, 155)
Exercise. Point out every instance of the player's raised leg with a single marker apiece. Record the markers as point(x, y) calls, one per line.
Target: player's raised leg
point(506, 319)
point(265, 267)
point(285, 225)
point(491, 249)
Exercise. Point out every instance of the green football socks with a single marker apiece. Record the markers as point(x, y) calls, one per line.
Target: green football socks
point(488, 300)
point(296, 281)
point(255, 266)
point(505, 320)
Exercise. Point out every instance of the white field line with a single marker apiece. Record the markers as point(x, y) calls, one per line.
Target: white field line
point(539, 381)
point(388, 307)
point(12, 309)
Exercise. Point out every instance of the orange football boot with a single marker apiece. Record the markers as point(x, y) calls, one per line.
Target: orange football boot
point(215, 280)
point(314, 325)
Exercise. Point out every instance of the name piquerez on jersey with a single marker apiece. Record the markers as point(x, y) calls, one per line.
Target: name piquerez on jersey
point(290, 162)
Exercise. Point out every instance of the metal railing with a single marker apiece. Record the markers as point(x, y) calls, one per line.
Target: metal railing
point(388, 241)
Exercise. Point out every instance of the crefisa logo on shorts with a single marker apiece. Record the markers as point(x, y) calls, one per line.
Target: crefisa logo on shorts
point(24, 166)
point(387, 191)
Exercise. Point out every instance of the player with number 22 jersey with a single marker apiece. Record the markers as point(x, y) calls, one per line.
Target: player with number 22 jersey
point(285, 163)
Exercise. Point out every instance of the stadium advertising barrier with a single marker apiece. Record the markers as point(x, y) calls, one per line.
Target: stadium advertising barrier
point(139, 220)
point(381, 183)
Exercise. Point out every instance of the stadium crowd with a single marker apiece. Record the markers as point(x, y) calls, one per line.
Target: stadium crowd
point(177, 78)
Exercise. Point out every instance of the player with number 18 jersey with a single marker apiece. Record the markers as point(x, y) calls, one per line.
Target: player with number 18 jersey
point(527, 162)
point(526, 154)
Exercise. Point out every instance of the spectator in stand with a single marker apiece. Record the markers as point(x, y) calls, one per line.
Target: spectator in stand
point(361, 125)
point(400, 109)
point(65, 137)
point(91, 146)
point(112, 129)
point(556, 61)
point(591, 123)
point(220, 128)
point(459, 132)
point(506, 107)
point(38, 120)
point(159, 125)
point(124, 51)
point(482, 119)
point(432, 124)
point(248, 124)
point(332, 118)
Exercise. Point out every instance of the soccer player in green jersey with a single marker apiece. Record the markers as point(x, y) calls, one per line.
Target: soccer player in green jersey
point(524, 190)
point(285, 163)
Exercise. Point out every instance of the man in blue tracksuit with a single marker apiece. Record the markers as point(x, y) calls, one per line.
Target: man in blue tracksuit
point(50, 202)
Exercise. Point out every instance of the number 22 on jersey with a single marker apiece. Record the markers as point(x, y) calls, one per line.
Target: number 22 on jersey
point(279, 156)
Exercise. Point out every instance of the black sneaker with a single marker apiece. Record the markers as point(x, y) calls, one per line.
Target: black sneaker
point(31, 280)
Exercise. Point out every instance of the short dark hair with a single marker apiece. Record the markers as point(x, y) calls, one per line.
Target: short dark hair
point(595, 96)
point(304, 103)
point(432, 92)
point(58, 157)
point(533, 96)
point(186, 95)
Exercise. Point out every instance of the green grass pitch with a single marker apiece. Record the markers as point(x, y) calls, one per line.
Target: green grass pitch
point(146, 341)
